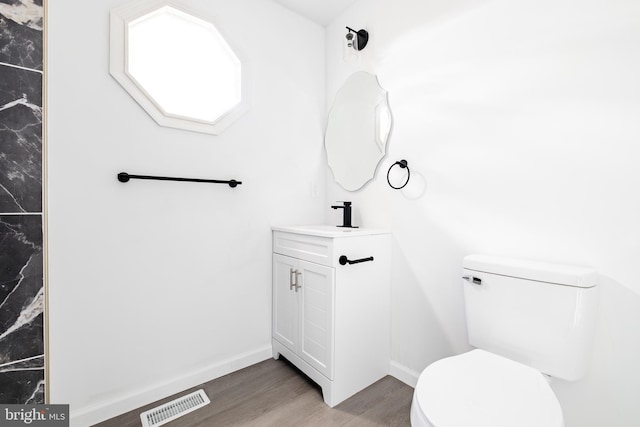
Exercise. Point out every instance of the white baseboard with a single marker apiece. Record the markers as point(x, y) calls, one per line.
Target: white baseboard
point(404, 374)
point(108, 409)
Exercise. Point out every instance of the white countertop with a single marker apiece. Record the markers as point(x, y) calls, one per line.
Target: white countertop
point(329, 230)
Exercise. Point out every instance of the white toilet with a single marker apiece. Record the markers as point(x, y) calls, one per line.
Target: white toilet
point(529, 322)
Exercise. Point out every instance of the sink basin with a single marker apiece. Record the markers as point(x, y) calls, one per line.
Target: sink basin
point(328, 230)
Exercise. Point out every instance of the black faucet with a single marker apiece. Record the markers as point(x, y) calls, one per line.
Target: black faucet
point(346, 215)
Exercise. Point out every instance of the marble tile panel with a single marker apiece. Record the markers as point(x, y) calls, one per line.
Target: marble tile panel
point(23, 292)
point(25, 341)
point(21, 289)
point(20, 240)
point(20, 85)
point(21, 250)
point(21, 35)
point(20, 140)
point(22, 387)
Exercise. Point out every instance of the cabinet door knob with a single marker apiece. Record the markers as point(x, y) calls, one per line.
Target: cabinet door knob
point(292, 274)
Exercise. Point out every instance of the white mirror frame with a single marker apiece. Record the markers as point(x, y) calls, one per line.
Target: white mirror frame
point(120, 19)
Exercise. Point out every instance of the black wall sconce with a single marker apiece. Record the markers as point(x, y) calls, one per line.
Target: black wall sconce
point(357, 39)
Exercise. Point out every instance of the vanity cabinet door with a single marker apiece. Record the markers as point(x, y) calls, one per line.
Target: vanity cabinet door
point(285, 305)
point(303, 310)
point(316, 315)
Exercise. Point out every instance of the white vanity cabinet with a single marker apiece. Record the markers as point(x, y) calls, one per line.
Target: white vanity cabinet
point(331, 320)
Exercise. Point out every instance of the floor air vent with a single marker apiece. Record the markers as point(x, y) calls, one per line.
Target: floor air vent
point(174, 409)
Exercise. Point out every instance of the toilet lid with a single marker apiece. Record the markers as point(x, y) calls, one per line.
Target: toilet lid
point(482, 389)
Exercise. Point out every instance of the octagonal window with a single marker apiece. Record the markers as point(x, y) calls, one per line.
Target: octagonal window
point(177, 66)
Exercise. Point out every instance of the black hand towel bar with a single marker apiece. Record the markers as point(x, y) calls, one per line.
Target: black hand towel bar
point(343, 260)
point(125, 177)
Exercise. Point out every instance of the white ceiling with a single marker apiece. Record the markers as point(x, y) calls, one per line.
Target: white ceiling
point(319, 11)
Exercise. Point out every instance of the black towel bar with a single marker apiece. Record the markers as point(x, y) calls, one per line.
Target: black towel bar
point(125, 177)
point(343, 260)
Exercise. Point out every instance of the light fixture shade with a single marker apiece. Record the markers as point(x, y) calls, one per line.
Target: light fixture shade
point(349, 47)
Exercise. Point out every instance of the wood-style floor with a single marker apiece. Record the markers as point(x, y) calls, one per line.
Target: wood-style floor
point(275, 393)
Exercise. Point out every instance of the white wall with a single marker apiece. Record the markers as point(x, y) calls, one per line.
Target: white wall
point(157, 286)
point(522, 118)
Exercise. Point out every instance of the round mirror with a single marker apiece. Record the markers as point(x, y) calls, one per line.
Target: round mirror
point(357, 130)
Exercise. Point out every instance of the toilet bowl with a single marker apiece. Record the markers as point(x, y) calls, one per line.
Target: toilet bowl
point(481, 389)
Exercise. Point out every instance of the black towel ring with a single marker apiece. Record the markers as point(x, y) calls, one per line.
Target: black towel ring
point(404, 165)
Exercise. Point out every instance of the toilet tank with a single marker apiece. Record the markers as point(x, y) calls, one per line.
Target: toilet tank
point(542, 315)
